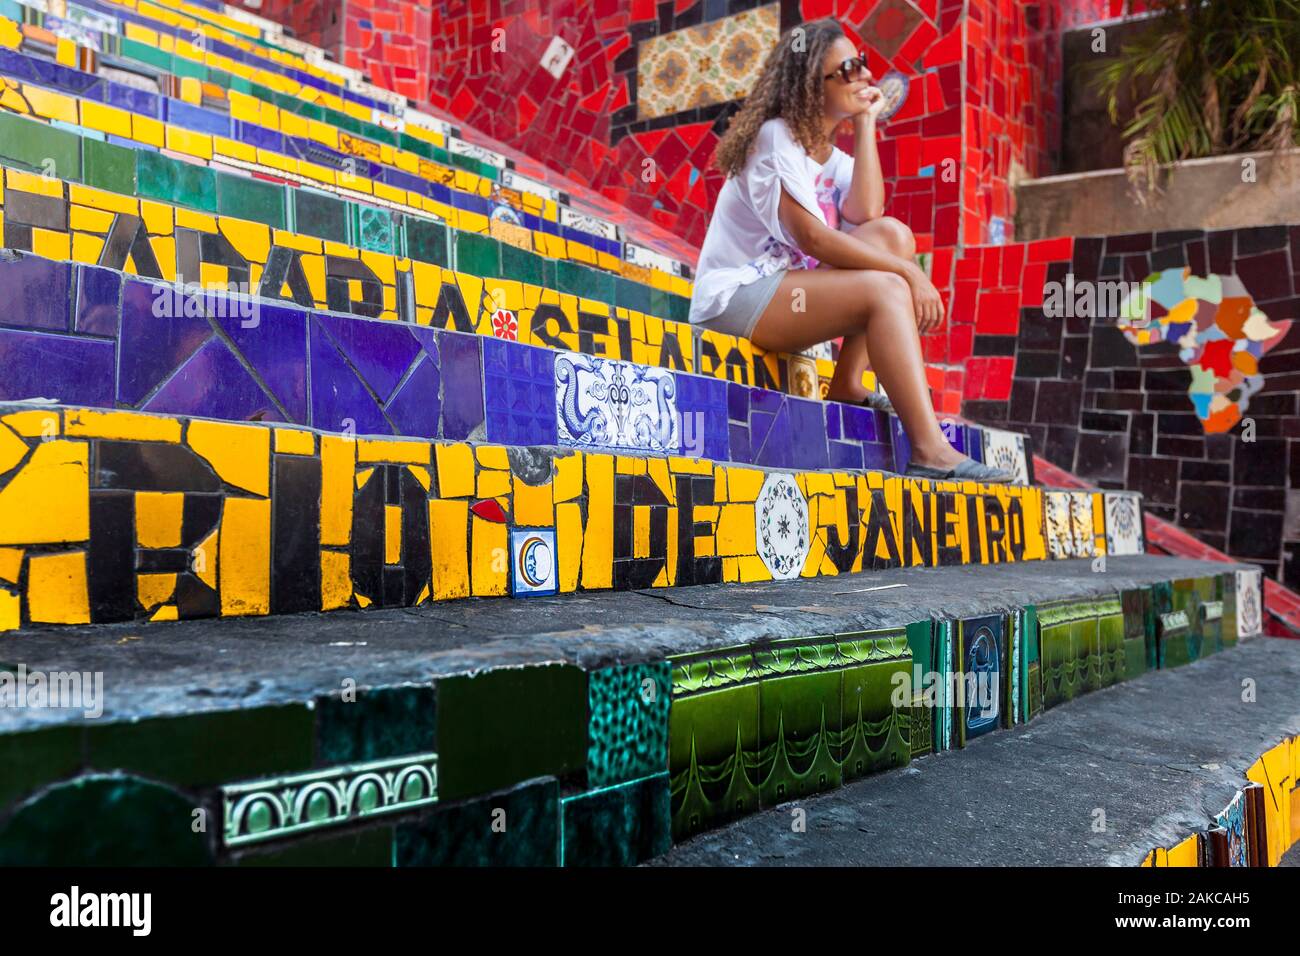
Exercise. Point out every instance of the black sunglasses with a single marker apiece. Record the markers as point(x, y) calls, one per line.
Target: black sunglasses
point(850, 69)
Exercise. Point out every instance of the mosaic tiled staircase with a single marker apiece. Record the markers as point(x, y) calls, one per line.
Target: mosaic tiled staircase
point(1260, 823)
point(275, 344)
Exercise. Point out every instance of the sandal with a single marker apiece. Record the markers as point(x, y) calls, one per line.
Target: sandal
point(966, 470)
point(878, 401)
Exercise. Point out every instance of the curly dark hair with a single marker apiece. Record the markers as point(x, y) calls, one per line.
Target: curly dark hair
point(790, 87)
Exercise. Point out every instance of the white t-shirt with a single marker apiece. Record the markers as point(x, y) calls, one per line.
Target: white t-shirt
point(746, 240)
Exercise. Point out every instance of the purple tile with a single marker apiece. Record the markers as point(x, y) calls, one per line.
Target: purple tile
point(845, 455)
point(955, 432)
point(760, 423)
point(877, 456)
point(902, 447)
point(765, 400)
point(380, 351)
point(339, 401)
point(214, 384)
point(519, 393)
point(975, 443)
point(777, 449)
point(739, 442)
point(462, 385)
point(152, 346)
point(860, 423)
point(273, 340)
point(73, 370)
point(36, 292)
point(737, 402)
point(99, 300)
point(416, 407)
point(807, 433)
point(833, 419)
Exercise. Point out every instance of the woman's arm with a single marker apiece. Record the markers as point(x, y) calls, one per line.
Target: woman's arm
point(866, 196)
point(842, 251)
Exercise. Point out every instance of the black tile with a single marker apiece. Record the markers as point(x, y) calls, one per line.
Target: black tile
point(1058, 402)
point(1260, 499)
point(1101, 456)
point(1261, 462)
point(143, 466)
point(295, 535)
point(110, 564)
point(1255, 535)
point(1156, 478)
point(1174, 446)
point(1032, 365)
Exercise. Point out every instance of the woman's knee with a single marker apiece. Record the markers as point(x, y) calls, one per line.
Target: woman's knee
point(883, 289)
point(897, 236)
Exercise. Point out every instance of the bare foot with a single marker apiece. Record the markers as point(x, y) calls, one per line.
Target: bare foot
point(944, 458)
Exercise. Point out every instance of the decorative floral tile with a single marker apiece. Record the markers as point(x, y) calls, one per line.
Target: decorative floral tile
point(533, 561)
point(607, 403)
point(699, 66)
point(803, 377)
point(1250, 603)
point(1060, 542)
point(1006, 450)
point(1081, 533)
point(781, 522)
point(1124, 523)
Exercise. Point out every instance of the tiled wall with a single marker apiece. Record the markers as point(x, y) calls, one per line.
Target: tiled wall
point(1197, 411)
point(115, 515)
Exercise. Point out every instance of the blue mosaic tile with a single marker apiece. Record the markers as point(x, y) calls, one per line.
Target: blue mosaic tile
point(72, 370)
point(339, 401)
point(777, 448)
point(273, 340)
point(195, 118)
point(462, 382)
point(519, 392)
point(36, 293)
point(902, 447)
point(151, 346)
point(808, 433)
point(738, 439)
point(845, 455)
point(861, 424)
point(737, 402)
point(833, 420)
point(416, 406)
point(99, 298)
point(877, 456)
point(214, 384)
point(381, 352)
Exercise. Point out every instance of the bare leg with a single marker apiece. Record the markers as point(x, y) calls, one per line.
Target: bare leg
point(893, 236)
point(873, 311)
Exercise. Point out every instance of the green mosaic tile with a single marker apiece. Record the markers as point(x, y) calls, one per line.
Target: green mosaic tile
point(34, 759)
point(660, 302)
point(311, 111)
point(373, 228)
point(441, 155)
point(252, 199)
point(426, 240)
point(40, 147)
point(518, 827)
point(174, 181)
point(713, 757)
point(799, 735)
point(146, 53)
point(628, 731)
point(634, 295)
point(503, 726)
point(187, 68)
point(319, 215)
point(679, 308)
point(618, 826)
point(477, 255)
point(579, 280)
point(110, 820)
point(373, 847)
point(108, 167)
point(208, 748)
point(413, 144)
point(874, 735)
point(520, 265)
point(377, 724)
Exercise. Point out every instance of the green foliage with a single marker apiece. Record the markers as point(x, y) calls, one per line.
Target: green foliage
point(1219, 76)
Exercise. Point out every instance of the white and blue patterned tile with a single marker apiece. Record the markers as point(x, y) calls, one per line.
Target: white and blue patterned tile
point(1123, 523)
point(781, 526)
point(1250, 603)
point(1006, 450)
point(606, 403)
point(533, 562)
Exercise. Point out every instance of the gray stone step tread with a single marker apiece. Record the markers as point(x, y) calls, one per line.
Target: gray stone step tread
point(1160, 755)
point(218, 663)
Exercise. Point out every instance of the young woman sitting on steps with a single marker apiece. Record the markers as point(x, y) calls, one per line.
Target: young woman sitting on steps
point(798, 251)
